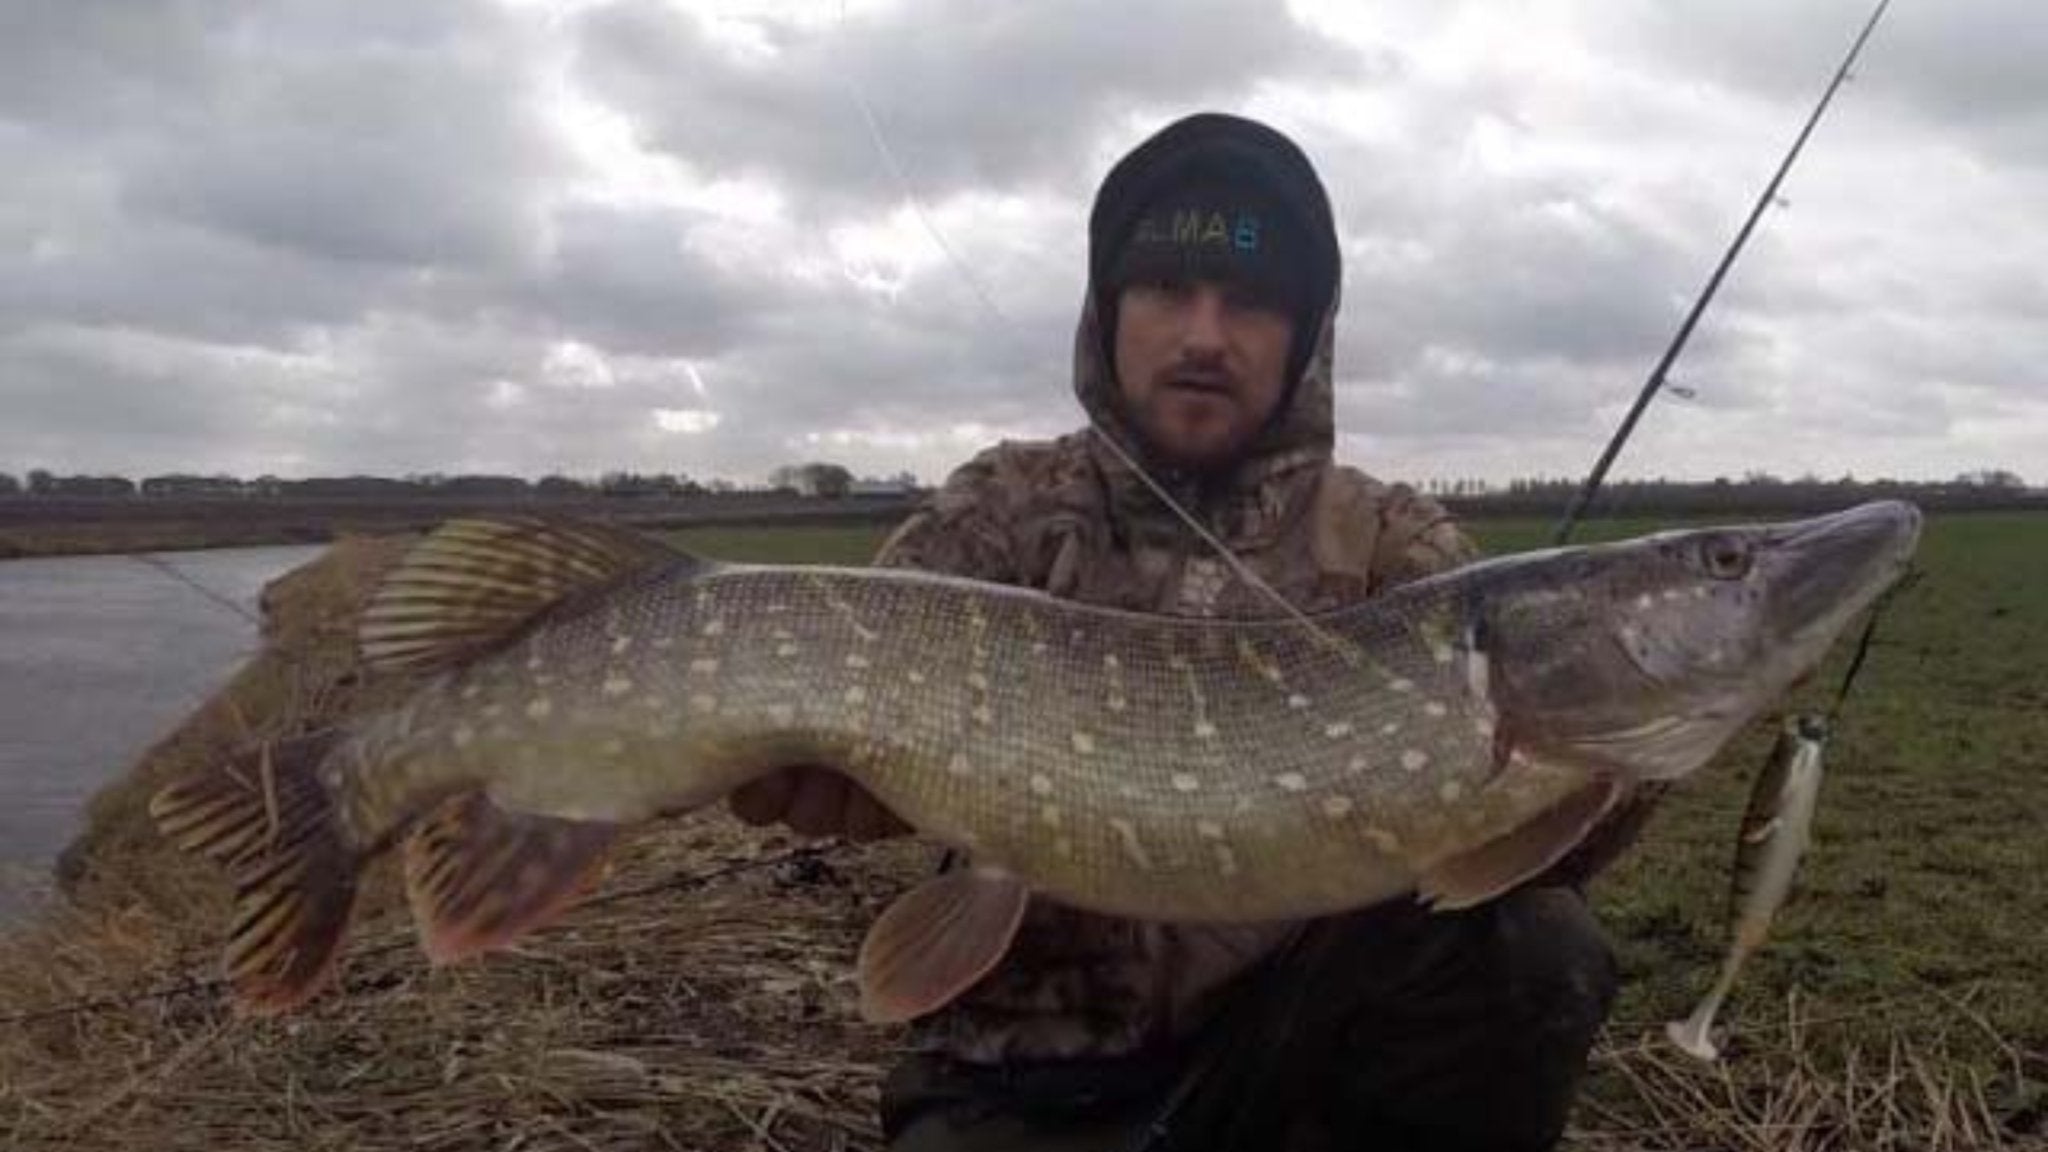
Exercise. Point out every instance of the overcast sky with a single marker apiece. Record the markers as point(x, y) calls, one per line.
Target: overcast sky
point(464, 235)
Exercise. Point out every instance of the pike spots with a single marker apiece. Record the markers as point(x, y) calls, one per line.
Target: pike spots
point(982, 706)
point(1290, 782)
point(704, 666)
point(1414, 760)
point(617, 685)
point(1127, 839)
point(1261, 665)
point(1336, 807)
point(1084, 744)
point(844, 610)
point(1185, 782)
point(1112, 671)
point(1479, 675)
point(1204, 730)
point(1219, 846)
point(539, 708)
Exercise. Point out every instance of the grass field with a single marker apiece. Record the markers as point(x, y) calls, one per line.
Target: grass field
point(1899, 1003)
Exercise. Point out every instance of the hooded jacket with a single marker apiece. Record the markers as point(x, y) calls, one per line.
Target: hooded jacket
point(1069, 517)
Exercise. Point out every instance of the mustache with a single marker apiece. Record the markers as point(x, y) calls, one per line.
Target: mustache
point(1202, 374)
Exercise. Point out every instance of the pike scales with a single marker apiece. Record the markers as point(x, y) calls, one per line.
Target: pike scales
point(1103, 753)
point(1451, 737)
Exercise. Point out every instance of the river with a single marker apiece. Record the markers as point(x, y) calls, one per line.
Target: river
point(99, 657)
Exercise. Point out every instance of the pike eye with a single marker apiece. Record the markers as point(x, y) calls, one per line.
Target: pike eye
point(1726, 557)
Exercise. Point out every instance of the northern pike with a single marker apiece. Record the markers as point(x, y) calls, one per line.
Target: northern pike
point(1448, 738)
point(1777, 826)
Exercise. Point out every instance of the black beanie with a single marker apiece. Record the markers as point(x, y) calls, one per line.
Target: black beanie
point(1219, 194)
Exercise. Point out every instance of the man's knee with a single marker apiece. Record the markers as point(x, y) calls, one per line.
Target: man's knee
point(1558, 966)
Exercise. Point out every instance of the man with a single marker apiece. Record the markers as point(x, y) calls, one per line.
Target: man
point(1204, 353)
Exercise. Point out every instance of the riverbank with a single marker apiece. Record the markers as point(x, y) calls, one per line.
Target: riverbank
point(702, 999)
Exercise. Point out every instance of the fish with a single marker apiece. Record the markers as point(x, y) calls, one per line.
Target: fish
point(1777, 828)
point(1444, 740)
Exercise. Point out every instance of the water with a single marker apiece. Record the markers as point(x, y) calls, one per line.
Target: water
point(99, 657)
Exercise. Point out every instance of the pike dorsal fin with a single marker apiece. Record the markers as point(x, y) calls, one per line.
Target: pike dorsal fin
point(1480, 874)
point(471, 583)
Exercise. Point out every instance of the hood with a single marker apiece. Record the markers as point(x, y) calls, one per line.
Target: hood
point(1301, 433)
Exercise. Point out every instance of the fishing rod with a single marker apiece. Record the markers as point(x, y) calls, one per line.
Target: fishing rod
point(1656, 379)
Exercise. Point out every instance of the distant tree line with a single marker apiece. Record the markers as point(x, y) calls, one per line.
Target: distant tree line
point(811, 479)
point(1533, 495)
point(1755, 490)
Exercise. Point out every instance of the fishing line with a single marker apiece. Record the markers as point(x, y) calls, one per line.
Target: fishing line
point(1863, 643)
point(987, 299)
point(168, 569)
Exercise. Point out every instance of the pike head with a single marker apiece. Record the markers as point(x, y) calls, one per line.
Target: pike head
point(1644, 657)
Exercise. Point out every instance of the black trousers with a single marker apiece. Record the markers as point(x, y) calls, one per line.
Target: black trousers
point(1392, 1028)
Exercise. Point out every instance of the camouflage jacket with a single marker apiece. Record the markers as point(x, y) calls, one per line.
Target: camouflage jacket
point(1067, 517)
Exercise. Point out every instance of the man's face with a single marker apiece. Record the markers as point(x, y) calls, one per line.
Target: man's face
point(1201, 365)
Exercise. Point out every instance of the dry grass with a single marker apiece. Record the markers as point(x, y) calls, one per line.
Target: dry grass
point(664, 1013)
point(675, 1011)
point(1809, 1083)
point(702, 1000)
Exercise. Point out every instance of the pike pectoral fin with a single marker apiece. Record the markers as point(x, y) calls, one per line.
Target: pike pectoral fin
point(472, 583)
point(1482, 873)
point(936, 940)
point(268, 821)
point(479, 877)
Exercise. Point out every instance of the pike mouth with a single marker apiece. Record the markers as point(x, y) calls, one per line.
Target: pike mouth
point(1833, 567)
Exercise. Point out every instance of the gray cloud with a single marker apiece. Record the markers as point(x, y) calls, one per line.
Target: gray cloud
point(965, 96)
point(301, 237)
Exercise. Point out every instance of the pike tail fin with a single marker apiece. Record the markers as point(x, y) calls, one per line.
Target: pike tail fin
point(479, 877)
point(269, 823)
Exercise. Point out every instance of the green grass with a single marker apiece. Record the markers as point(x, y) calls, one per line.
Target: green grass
point(1923, 904)
point(802, 544)
point(1928, 880)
